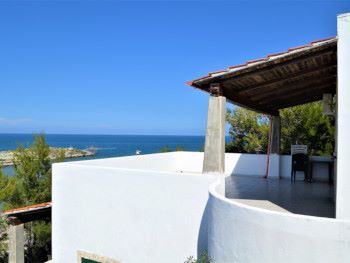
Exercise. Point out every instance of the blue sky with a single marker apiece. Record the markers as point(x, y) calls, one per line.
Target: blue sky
point(105, 67)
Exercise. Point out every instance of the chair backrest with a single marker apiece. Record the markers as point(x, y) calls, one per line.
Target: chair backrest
point(300, 161)
point(294, 149)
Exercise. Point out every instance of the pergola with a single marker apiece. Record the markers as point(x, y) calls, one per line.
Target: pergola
point(297, 76)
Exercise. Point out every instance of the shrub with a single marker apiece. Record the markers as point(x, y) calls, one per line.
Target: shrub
point(203, 258)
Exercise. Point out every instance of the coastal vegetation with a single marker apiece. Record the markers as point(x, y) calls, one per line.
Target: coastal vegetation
point(203, 258)
point(304, 124)
point(167, 148)
point(31, 184)
point(7, 157)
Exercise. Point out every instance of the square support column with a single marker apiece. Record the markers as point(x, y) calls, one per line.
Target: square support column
point(343, 119)
point(214, 150)
point(274, 162)
point(16, 242)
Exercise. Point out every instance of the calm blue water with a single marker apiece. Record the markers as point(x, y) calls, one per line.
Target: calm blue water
point(107, 145)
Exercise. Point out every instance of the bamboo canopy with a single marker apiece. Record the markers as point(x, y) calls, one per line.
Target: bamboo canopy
point(298, 76)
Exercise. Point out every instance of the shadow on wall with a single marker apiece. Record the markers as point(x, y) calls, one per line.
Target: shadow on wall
point(245, 164)
point(202, 243)
point(235, 229)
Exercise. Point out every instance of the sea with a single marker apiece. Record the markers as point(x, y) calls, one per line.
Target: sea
point(106, 145)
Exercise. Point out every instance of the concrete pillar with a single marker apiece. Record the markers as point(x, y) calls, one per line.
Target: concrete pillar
point(274, 162)
point(343, 121)
point(16, 243)
point(214, 150)
point(276, 134)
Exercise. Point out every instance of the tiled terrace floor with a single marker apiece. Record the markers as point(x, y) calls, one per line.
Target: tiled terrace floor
point(298, 197)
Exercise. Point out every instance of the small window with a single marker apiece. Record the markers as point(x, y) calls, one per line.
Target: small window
point(86, 257)
point(86, 260)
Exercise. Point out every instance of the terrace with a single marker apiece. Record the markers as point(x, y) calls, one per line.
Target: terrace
point(297, 76)
point(316, 199)
point(172, 205)
point(163, 198)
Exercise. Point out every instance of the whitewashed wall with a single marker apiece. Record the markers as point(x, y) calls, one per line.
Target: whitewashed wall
point(148, 208)
point(255, 165)
point(244, 234)
point(320, 169)
point(343, 116)
point(128, 214)
point(192, 162)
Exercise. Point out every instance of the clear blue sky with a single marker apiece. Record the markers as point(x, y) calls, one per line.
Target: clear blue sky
point(105, 67)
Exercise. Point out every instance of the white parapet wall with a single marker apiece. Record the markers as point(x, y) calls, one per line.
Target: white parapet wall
point(148, 208)
point(244, 234)
point(243, 164)
point(132, 209)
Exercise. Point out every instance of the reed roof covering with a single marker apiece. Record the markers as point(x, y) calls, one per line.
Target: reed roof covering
point(297, 76)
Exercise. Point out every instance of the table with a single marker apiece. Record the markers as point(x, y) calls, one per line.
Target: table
point(323, 159)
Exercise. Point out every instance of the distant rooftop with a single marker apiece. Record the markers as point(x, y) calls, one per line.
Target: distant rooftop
point(31, 212)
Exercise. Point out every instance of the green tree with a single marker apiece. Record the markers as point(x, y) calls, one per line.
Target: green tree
point(180, 148)
point(304, 124)
point(249, 131)
point(30, 185)
point(165, 149)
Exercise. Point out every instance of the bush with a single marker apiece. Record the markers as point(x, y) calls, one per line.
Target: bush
point(203, 258)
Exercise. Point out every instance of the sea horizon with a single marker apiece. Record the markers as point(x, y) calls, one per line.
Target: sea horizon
point(99, 134)
point(107, 146)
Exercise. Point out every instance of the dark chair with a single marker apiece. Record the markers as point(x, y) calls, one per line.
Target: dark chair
point(300, 162)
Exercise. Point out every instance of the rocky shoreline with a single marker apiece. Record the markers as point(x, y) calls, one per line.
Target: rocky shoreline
point(6, 157)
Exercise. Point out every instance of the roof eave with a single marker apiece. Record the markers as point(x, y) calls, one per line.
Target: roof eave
point(258, 63)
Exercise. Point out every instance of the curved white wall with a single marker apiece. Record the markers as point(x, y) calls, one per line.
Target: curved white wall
point(241, 233)
point(154, 208)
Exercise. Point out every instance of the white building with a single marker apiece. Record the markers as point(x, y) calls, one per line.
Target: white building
point(166, 207)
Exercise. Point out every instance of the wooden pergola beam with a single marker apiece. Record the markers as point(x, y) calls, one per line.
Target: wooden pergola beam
point(234, 98)
point(298, 100)
point(295, 86)
point(305, 91)
point(279, 81)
